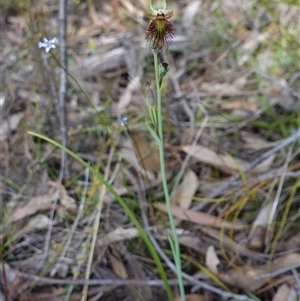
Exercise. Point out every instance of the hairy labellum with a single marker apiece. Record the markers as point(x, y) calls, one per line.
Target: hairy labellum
point(160, 32)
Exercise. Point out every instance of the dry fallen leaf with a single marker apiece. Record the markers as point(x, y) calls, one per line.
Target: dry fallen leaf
point(253, 278)
point(35, 204)
point(43, 202)
point(183, 196)
point(191, 297)
point(127, 154)
point(285, 293)
point(97, 63)
point(9, 124)
point(257, 233)
point(134, 84)
point(206, 155)
point(242, 106)
point(40, 221)
point(253, 141)
point(141, 273)
point(226, 163)
point(117, 235)
point(211, 259)
point(200, 218)
point(230, 244)
point(146, 153)
point(291, 244)
point(67, 202)
point(117, 265)
point(264, 165)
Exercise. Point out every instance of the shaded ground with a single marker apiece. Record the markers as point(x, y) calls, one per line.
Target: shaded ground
point(231, 120)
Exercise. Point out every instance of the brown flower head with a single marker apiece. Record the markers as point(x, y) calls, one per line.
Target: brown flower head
point(160, 30)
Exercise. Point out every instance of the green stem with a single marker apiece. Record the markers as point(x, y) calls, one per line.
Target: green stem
point(174, 239)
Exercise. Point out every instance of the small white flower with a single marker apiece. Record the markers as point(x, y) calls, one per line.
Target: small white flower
point(123, 121)
point(48, 44)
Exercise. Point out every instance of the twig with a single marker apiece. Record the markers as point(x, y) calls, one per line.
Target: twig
point(96, 225)
point(49, 231)
point(271, 175)
point(38, 280)
point(235, 177)
point(275, 203)
point(278, 272)
point(78, 216)
point(61, 101)
point(297, 285)
point(74, 225)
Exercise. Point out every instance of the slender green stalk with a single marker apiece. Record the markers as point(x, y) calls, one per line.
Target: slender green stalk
point(174, 238)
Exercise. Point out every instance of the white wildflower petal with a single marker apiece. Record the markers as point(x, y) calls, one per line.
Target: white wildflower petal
point(48, 44)
point(123, 121)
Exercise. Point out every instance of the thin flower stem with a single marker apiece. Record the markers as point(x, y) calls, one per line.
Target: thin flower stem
point(174, 238)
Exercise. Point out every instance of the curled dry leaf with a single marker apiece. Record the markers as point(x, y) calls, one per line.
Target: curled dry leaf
point(199, 217)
